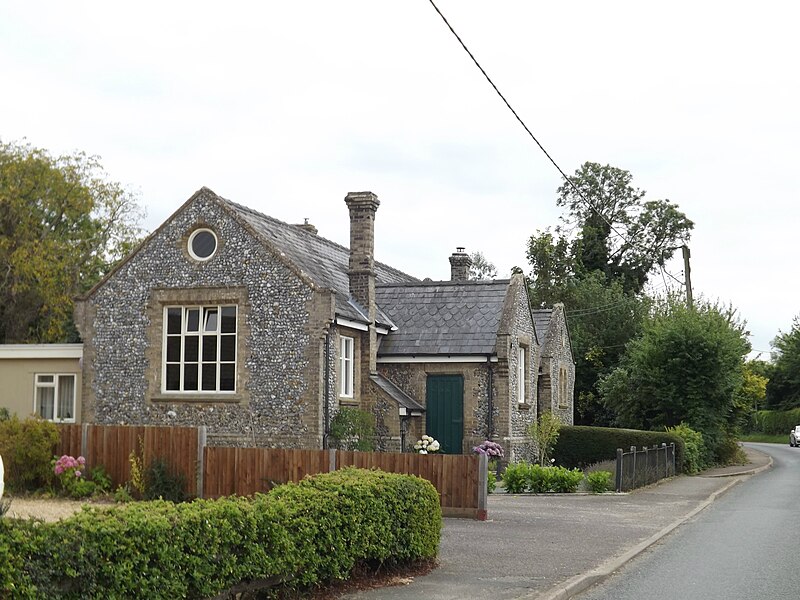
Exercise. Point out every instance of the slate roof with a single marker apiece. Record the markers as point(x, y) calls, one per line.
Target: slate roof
point(322, 260)
point(442, 317)
point(541, 322)
point(396, 393)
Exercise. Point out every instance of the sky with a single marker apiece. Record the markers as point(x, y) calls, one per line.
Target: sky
point(287, 106)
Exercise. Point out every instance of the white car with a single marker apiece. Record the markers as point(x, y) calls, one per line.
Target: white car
point(794, 437)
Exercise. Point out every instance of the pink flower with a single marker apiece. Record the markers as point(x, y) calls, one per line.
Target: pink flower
point(77, 473)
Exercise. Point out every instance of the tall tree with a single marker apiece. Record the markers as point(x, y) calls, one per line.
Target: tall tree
point(608, 227)
point(783, 389)
point(597, 262)
point(481, 268)
point(686, 366)
point(602, 319)
point(62, 225)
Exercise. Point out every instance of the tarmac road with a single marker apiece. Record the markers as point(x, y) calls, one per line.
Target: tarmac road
point(555, 546)
point(739, 548)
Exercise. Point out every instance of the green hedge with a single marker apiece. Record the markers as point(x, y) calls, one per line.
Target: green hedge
point(777, 421)
point(300, 534)
point(580, 446)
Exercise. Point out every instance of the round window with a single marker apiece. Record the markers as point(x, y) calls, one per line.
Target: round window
point(202, 244)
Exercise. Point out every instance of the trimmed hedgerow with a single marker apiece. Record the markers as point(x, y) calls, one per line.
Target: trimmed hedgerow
point(298, 534)
point(777, 421)
point(580, 446)
point(526, 477)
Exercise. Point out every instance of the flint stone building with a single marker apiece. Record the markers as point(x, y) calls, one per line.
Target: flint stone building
point(261, 330)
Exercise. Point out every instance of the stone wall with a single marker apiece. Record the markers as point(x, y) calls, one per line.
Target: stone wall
point(521, 333)
point(280, 336)
point(557, 362)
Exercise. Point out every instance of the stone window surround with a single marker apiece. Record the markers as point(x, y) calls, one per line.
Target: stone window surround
point(197, 296)
point(39, 385)
point(200, 333)
point(355, 335)
point(563, 386)
point(524, 346)
point(190, 241)
point(346, 366)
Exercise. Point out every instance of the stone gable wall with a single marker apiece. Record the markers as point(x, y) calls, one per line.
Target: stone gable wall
point(561, 362)
point(276, 403)
point(518, 443)
point(558, 357)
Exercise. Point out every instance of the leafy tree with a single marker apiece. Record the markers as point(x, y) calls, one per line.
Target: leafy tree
point(62, 226)
point(597, 263)
point(751, 394)
point(544, 434)
point(685, 367)
point(353, 429)
point(602, 319)
point(481, 268)
point(783, 389)
point(619, 234)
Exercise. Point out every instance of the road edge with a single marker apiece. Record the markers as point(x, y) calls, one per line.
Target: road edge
point(584, 581)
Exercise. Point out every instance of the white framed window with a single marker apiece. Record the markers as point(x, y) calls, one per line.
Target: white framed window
point(521, 370)
point(346, 367)
point(202, 244)
point(54, 397)
point(199, 349)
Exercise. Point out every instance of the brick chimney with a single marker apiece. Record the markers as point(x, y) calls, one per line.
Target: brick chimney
point(361, 271)
point(305, 225)
point(460, 262)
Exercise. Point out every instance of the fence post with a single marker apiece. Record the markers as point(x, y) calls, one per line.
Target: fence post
point(666, 460)
point(201, 456)
point(483, 491)
point(331, 460)
point(619, 471)
point(674, 469)
point(85, 443)
point(633, 451)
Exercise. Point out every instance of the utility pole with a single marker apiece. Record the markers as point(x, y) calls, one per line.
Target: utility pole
point(687, 272)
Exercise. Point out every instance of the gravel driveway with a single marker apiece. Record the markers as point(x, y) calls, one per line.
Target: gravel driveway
point(47, 509)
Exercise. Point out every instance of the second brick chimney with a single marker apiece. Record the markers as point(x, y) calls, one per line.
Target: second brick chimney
point(460, 262)
point(361, 271)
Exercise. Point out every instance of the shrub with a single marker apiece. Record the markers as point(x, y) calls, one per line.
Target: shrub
point(27, 449)
point(101, 479)
point(580, 446)
point(163, 483)
point(4, 414)
point(353, 429)
point(71, 475)
point(300, 533)
point(491, 449)
point(515, 477)
point(729, 452)
point(544, 434)
point(526, 477)
point(599, 481)
point(695, 457)
point(491, 482)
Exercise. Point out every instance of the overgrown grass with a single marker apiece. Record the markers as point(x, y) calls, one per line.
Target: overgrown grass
point(765, 438)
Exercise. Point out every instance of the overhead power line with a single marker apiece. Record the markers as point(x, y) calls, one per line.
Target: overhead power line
point(530, 133)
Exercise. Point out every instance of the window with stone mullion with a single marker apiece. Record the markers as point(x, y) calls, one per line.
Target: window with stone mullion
point(200, 349)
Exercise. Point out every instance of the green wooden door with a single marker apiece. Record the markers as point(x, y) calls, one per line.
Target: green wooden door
point(445, 411)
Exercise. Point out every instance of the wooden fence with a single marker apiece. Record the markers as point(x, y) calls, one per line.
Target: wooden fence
point(212, 471)
point(111, 446)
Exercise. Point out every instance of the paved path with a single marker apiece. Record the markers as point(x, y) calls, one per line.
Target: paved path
point(554, 546)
